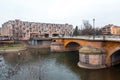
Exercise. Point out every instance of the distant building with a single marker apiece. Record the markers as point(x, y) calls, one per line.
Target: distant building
point(111, 29)
point(24, 30)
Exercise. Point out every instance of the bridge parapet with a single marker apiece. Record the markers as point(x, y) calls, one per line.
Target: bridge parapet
point(91, 37)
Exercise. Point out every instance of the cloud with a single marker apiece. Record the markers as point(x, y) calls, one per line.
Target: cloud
point(61, 11)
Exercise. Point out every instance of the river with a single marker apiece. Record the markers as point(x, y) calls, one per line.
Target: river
point(44, 65)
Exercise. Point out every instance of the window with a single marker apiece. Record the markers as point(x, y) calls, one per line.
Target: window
point(27, 31)
point(30, 29)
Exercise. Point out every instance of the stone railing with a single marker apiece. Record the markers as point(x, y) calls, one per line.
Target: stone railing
point(91, 37)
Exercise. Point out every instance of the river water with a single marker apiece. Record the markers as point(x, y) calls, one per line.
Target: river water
point(45, 65)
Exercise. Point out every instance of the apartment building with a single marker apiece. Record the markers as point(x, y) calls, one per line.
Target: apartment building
point(24, 30)
point(116, 30)
point(111, 29)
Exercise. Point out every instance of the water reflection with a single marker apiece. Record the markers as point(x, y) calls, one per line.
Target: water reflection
point(43, 65)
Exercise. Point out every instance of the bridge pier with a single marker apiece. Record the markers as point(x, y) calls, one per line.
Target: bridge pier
point(108, 63)
point(57, 47)
point(91, 58)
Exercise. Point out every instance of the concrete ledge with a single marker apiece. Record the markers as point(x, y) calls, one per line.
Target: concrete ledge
point(87, 66)
point(36, 47)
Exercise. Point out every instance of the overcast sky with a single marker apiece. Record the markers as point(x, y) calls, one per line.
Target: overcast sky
point(61, 11)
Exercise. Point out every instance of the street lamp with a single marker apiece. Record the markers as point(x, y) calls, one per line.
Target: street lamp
point(93, 23)
point(94, 28)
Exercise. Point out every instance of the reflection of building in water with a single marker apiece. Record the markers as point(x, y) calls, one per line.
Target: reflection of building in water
point(23, 30)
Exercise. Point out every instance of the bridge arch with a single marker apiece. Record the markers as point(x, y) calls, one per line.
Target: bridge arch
point(115, 56)
point(72, 46)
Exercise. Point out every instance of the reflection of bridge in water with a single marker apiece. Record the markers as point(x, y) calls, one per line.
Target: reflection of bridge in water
point(109, 44)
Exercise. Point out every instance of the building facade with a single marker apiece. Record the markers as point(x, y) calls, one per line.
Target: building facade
point(24, 30)
point(111, 29)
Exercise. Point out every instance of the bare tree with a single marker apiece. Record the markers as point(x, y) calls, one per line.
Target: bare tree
point(87, 28)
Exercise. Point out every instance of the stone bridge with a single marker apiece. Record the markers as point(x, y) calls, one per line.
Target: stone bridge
point(110, 44)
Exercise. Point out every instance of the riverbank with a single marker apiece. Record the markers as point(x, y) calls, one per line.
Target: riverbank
point(12, 48)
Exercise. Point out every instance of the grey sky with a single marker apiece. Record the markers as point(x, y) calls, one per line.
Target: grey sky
point(61, 11)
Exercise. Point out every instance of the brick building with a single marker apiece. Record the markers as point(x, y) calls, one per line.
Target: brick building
point(24, 30)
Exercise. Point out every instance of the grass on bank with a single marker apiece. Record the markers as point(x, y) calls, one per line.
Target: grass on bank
point(8, 47)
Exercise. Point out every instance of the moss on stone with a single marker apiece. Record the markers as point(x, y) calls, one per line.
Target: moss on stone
point(89, 49)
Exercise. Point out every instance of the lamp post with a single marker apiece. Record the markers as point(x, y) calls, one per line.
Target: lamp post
point(94, 28)
point(93, 23)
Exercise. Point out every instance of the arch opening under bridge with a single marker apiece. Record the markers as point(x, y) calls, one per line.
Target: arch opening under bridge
point(73, 46)
point(115, 58)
